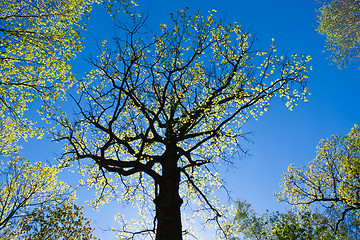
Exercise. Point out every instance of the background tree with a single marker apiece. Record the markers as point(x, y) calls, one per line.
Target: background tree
point(248, 222)
point(339, 21)
point(37, 39)
point(34, 204)
point(64, 220)
point(162, 111)
point(331, 180)
point(305, 225)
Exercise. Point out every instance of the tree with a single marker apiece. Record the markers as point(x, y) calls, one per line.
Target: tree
point(247, 222)
point(34, 204)
point(331, 180)
point(305, 225)
point(339, 21)
point(62, 221)
point(162, 112)
point(37, 39)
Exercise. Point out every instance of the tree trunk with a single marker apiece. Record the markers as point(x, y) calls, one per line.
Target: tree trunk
point(168, 202)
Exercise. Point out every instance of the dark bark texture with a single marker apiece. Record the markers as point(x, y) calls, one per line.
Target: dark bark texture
point(168, 201)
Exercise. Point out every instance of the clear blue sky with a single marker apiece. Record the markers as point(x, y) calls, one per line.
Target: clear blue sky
point(280, 137)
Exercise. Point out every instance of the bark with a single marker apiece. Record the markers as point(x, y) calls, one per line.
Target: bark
point(168, 202)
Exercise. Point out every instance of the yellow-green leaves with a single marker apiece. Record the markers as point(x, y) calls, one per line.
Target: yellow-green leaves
point(29, 195)
point(339, 21)
point(37, 39)
point(65, 220)
point(332, 179)
point(35, 204)
point(187, 91)
point(300, 225)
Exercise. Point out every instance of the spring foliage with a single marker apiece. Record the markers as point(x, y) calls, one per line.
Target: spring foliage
point(34, 204)
point(276, 225)
point(37, 39)
point(187, 90)
point(339, 21)
point(331, 180)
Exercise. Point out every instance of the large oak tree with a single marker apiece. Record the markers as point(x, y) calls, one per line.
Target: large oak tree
point(161, 111)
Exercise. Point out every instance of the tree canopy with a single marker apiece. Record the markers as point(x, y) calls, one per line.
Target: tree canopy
point(331, 180)
point(37, 39)
point(34, 204)
point(339, 21)
point(276, 225)
point(163, 110)
point(304, 225)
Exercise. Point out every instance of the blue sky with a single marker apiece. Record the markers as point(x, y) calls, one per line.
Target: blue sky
point(280, 137)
